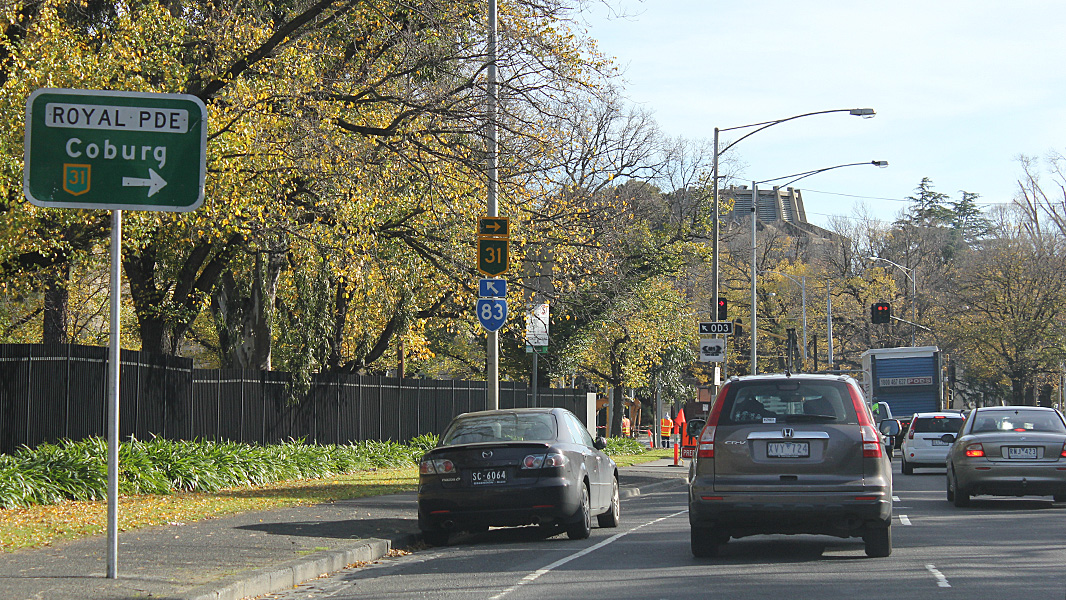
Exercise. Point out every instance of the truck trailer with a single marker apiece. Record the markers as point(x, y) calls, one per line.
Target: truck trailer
point(908, 379)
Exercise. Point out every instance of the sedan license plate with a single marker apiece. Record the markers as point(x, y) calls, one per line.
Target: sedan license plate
point(1022, 452)
point(788, 449)
point(488, 477)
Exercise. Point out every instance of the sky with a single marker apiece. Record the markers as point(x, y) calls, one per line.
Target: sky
point(961, 89)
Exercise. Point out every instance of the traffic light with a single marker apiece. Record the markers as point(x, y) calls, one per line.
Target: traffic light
point(880, 313)
point(722, 309)
point(738, 329)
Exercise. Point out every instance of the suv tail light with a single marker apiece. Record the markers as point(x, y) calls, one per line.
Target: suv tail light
point(871, 442)
point(705, 449)
point(910, 435)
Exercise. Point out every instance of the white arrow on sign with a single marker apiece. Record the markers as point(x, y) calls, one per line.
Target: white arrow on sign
point(154, 183)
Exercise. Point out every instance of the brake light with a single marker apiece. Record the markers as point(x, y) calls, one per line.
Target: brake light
point(543, 461)
point(1063, 453)
point(861, 410)
point(975, 450)
point(440, 466)
point(871, 442)
point(706, 447)
point(910, 434)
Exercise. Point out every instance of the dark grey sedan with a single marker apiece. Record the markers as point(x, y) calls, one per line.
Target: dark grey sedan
point(516, 467)
point(1008, 451)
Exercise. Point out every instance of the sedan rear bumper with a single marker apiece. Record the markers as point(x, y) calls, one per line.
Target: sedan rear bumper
point(997, 479)
point(550, 499)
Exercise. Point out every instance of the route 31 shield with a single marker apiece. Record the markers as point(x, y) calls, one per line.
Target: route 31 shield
point(492, 312)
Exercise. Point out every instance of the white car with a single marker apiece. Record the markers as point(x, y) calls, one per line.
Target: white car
point(923, 445)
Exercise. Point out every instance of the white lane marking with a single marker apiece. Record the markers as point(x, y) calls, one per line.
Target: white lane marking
point(895, 498)
point(562, 561)
point(941, 581)
point(904, 519)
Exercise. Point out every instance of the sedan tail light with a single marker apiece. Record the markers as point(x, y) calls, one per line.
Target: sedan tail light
point(439, 466)
point(871, 442)
point(975, 450)
point(544, 461)
point(1063, 453)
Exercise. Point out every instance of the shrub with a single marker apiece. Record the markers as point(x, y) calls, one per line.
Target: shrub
point(623, 446)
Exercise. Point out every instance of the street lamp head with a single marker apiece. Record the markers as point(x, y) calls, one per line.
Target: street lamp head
point(880, 163)
point(866, 113)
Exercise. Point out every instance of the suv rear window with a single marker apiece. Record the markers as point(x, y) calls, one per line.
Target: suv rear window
point(788, 401)
point(935, 425)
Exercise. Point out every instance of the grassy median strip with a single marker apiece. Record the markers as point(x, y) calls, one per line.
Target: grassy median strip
point(41, 525)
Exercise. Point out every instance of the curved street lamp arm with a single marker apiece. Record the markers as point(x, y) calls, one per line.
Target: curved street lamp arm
point(798, 176)
point(906, 270)
point(866, 113)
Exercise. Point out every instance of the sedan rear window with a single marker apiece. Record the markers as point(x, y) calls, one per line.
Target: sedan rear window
point(1018, 420)
point(502, 427)
point(789, 401)
point(935, 425)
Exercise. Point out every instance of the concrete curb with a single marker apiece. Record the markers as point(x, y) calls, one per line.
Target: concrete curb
point(299, 570)
point(296, 571)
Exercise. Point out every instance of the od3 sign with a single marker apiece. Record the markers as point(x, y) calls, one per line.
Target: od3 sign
point(115, 150)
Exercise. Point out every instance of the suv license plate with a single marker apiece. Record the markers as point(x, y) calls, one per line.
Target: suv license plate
point(1022, 452)
point(788, 449)
point(939, 442)
point(488, 477)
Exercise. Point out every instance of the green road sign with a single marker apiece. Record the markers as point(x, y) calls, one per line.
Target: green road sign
point(115, 150)
point(497, 227)
point(492, 256)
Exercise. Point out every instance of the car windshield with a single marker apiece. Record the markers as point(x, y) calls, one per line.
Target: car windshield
point(788, 401)
point(501, 427)
point(937, 424)
point(1018, 420)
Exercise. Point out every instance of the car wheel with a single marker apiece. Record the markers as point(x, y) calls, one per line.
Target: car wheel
point(951, 491)
point(706, 541)
point(906, 467)
point(581, 527)
point(878, 541)
point(888, 451)
point(962, 497)
point(435, 537)
point(611, 518)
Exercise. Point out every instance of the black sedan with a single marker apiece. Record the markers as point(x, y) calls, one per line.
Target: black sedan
point(516, 467)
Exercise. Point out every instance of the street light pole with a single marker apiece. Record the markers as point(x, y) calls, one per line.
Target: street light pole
point(909, 272)
point(866, 113)
point(754, 266)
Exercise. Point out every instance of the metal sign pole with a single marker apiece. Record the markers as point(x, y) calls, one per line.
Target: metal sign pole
point(492, 349)
point(112, 396)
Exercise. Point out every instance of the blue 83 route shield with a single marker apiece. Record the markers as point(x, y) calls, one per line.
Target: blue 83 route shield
point(492, 312)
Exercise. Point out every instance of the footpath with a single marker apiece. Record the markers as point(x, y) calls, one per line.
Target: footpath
point(245, 555)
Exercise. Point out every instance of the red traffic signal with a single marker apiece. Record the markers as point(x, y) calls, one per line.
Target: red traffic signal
point(722, 306)
point(880, 313)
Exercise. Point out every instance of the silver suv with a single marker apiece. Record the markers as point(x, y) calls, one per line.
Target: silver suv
point(790, 454)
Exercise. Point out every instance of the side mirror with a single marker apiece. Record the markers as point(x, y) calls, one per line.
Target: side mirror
point(948, 438)
point(890, 427)
point(599, 443)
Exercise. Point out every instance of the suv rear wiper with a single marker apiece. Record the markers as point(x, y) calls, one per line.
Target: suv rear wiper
point(803, 418)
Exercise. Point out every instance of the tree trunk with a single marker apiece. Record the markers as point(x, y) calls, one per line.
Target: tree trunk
point(56, 300)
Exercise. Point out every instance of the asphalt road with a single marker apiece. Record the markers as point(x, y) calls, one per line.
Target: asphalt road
point(997, 549)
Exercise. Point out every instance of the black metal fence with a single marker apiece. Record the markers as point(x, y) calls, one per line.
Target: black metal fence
point(51, 392)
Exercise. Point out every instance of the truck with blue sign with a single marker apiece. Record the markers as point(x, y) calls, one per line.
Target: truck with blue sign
point(907, 379)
